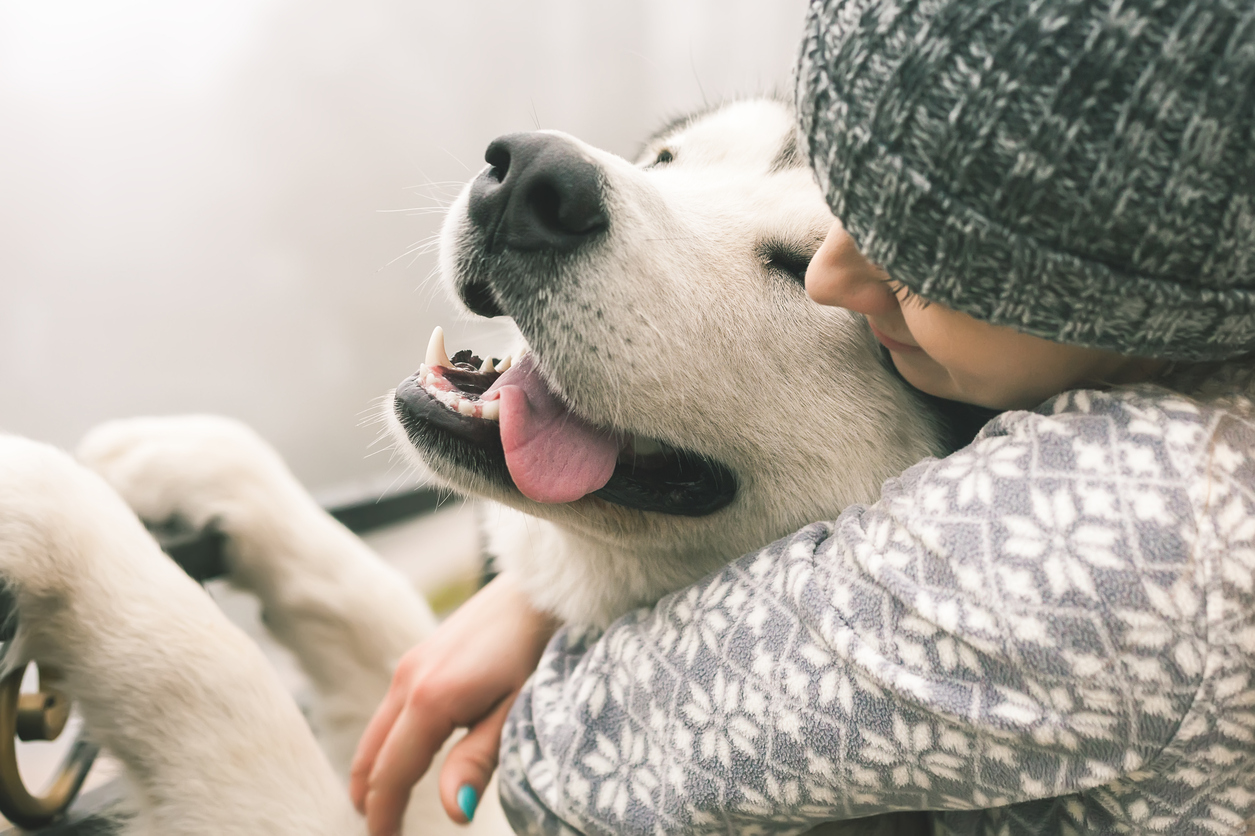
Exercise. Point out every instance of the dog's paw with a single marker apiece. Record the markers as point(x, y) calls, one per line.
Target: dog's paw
point(62, 528)
point(46, 501)
point(199, 469)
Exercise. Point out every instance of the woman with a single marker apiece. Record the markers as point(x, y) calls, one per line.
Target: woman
point(1045, 206)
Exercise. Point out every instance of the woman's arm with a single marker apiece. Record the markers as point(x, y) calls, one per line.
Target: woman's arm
point(1014, 622)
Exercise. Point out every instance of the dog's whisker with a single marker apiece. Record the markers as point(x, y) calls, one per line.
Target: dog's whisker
point(417, 210)
point(400, 478)
point(433, 273)
point(374, 414)
point(415, 256)
point(417, 250)
point(428, 183)
point(423, 249)
point(424, 242)
point(439, 184)
point(457, 160)
point(700, 88)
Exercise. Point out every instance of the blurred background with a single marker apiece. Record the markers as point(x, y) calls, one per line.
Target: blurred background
point(219, 205)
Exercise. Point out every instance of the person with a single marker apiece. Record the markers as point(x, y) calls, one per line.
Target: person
point(1047, 207)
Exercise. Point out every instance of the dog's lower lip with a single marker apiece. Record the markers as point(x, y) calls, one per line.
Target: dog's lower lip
point(892, 344)
point(677, 483)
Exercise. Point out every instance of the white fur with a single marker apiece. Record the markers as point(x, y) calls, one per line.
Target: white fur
point(726, 358)
point(701, 346)
point(209, 740)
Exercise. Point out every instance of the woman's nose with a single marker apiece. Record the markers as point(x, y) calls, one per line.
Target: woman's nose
point(840, 275)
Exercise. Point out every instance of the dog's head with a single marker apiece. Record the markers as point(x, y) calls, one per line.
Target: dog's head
point(679, 397)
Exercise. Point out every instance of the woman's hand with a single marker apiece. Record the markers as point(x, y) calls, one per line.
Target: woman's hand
point(466, 675)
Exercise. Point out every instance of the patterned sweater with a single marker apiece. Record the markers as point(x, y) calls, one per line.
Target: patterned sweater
point(1050, 631)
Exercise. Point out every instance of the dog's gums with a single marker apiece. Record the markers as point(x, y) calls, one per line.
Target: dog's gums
point(459, 383)
point(505, 410)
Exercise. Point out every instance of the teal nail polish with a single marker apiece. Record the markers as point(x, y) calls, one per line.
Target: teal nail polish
point(468, 800)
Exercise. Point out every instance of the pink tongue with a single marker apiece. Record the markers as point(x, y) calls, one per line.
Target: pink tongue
point(552, 455)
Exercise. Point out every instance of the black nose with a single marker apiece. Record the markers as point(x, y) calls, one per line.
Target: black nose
point(541, 193)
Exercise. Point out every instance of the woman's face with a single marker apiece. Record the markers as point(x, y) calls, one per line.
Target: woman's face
point(949, 354)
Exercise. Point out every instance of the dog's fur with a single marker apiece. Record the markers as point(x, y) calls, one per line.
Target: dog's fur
point(703, 341)
point(683, 324)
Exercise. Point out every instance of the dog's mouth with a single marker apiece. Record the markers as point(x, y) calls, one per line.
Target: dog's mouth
point(498, 417)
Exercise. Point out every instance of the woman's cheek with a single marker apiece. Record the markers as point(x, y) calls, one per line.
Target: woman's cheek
point(962, 369)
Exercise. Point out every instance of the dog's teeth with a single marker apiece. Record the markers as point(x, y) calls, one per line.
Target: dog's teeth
point(436, 355)
point(506, 363)
point(466, 407)
point(492, 410)
point(486, 367)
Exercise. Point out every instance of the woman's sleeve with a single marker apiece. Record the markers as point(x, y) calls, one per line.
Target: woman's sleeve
point(1021, 620)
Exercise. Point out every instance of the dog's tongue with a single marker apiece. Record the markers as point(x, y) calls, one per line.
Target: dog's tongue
point(552, 455)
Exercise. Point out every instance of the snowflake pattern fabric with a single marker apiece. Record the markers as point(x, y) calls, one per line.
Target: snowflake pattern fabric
point(1050, 631)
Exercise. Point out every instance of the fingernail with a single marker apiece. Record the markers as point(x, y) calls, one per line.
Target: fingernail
point(468, 800)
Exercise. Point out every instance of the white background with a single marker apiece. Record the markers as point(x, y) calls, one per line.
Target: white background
point(206, 205)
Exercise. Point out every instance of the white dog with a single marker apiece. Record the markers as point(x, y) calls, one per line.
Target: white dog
point(679, 402)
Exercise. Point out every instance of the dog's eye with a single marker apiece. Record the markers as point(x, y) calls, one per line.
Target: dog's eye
point(788, 259)
point(664, 156)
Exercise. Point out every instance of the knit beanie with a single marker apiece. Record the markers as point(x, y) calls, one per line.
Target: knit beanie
point(1079, 170)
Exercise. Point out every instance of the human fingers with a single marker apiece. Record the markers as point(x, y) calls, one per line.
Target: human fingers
point(406, 753)
point(470, 763)
point(372, 741)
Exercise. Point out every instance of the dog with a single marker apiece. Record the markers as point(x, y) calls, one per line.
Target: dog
point(674, 401)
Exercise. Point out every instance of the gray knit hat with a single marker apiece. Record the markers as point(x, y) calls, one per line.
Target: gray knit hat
point(1080, 170)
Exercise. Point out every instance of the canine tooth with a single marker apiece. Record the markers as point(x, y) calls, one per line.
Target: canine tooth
point(466, 407)
point(492, 410)
point(506, 363)
point(486, 367)
point(436, 355)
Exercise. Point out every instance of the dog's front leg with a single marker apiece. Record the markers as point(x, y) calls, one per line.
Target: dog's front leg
point(209, 740)
point(345, 614)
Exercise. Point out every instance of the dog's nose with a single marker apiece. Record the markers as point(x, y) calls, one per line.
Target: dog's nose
point(540, 193)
